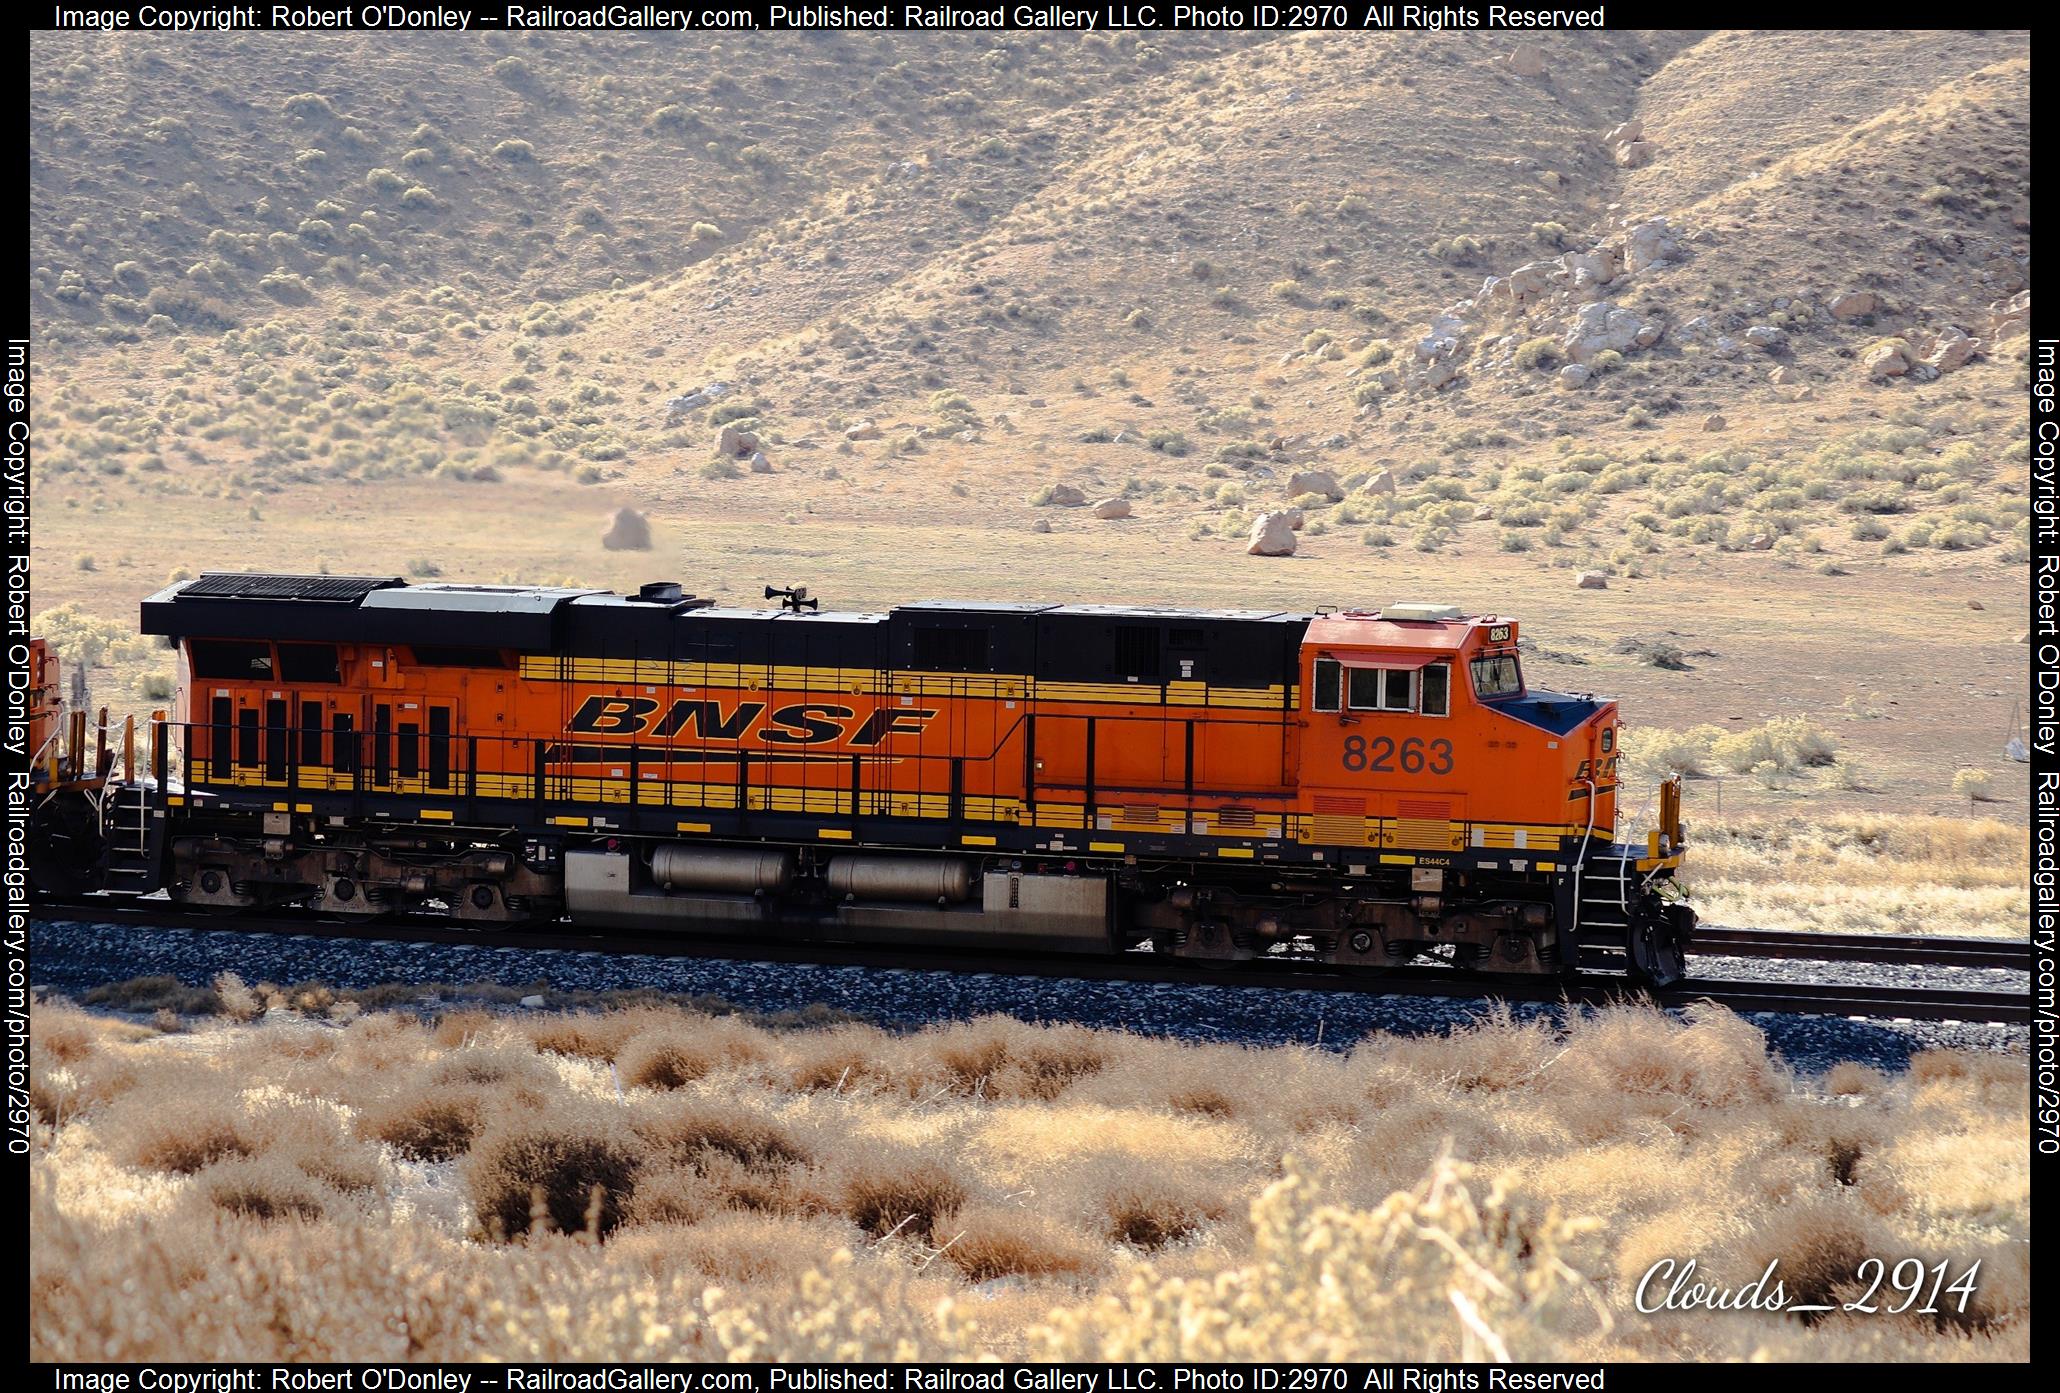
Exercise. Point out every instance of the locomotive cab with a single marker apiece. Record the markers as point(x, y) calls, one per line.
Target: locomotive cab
point(1479, 799)
point(1418, 715)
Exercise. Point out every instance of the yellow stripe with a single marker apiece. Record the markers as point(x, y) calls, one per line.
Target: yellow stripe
point(1105, 846)
point(1548, 865)
point(761, 676)
point(1387, 860)
point(176, 800)
point(568, 822)
point(1243, 853)
point(693, 827)
point(303, 807)
point(437, 814)
point(281, 808)
point(976, 841)
point(833, 834)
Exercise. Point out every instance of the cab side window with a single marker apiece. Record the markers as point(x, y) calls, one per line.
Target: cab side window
point(1437, 690)
point(1382, 689)
point(1326, 687)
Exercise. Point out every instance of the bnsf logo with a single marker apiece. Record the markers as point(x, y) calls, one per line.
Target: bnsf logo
point(807, 723)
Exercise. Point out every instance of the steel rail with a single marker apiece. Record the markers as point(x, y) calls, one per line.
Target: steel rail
point(1916, 1003)
point(1918, 950)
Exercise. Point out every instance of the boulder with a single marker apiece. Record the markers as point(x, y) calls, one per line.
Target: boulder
point(1759, 541)
point(2011, 316)
point(1886, 360)
point(1625, 133)
point(1636, 154)
point(1952, 348)
point(1382, 482)
point(1784, 376)
point(1066, 496)
point(628, 530)
point(736, 444)
point(864, 430)
point(1272, 535)
point(1591, 580)
point(1531, 281)
point(1527, 60)
point(1574, 375)
point(1110, 509)
point(1483, 513)
point(1765, 336)
point(1602, 326)
point(759, 463)
point(1590, 271)
point(1714, 422)
point(1649, 243)
point(1295, 518)
point(1854, 304)
point(1315, 481)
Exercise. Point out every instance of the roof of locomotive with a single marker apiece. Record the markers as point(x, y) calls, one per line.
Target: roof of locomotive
point(1371, 629)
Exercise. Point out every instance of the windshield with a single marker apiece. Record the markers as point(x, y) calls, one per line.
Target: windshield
point(1497, 676)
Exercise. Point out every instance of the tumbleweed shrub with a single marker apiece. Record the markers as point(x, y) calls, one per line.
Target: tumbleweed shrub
point(571, 1170)
point(1859, 873)
point(915, 1212)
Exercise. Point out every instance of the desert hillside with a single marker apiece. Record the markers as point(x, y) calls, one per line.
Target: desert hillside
point(1733, 321)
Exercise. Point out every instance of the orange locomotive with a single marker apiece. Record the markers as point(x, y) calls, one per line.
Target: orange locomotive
point(1353, 788)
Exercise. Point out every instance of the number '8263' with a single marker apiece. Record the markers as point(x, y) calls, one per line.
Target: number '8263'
point(1382, 755)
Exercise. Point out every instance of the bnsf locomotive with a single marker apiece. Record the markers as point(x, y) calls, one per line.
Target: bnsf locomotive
point(1350, 788)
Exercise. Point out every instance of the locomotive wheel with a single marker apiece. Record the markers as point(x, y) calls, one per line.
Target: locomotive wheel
point(1656, 947)
point(64, 845)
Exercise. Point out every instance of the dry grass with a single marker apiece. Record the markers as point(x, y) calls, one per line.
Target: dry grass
point(1863, 874)
point(1108, 1196)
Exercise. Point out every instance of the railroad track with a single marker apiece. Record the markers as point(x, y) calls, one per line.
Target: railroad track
point(1839, 999)
point(1914, 949)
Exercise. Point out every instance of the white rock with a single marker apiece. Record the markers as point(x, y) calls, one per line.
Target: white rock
point(1382, 482)
point(532, 1001)
point(1591, 580)
point(1112, 508)
point(1532, 281)
point(737, 444)
point(1784, 376)
point(1273, 534)
point(2011, 316)
point(1765, 336)
point(1315, 481)
point(759, 463)
point(1855, 304)
point(1636, 154)
point(1624, 134)
point(1574, 375)
point(1953, 348)
point(1649, 242)
point(864, 430)
point(1885, 360)
point(1599, 327)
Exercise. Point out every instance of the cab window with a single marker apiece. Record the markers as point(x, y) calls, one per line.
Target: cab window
point(1437, 690)
point(1381, 689)
point(231, 659)
point(1329, 679)
point(1497, 676)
